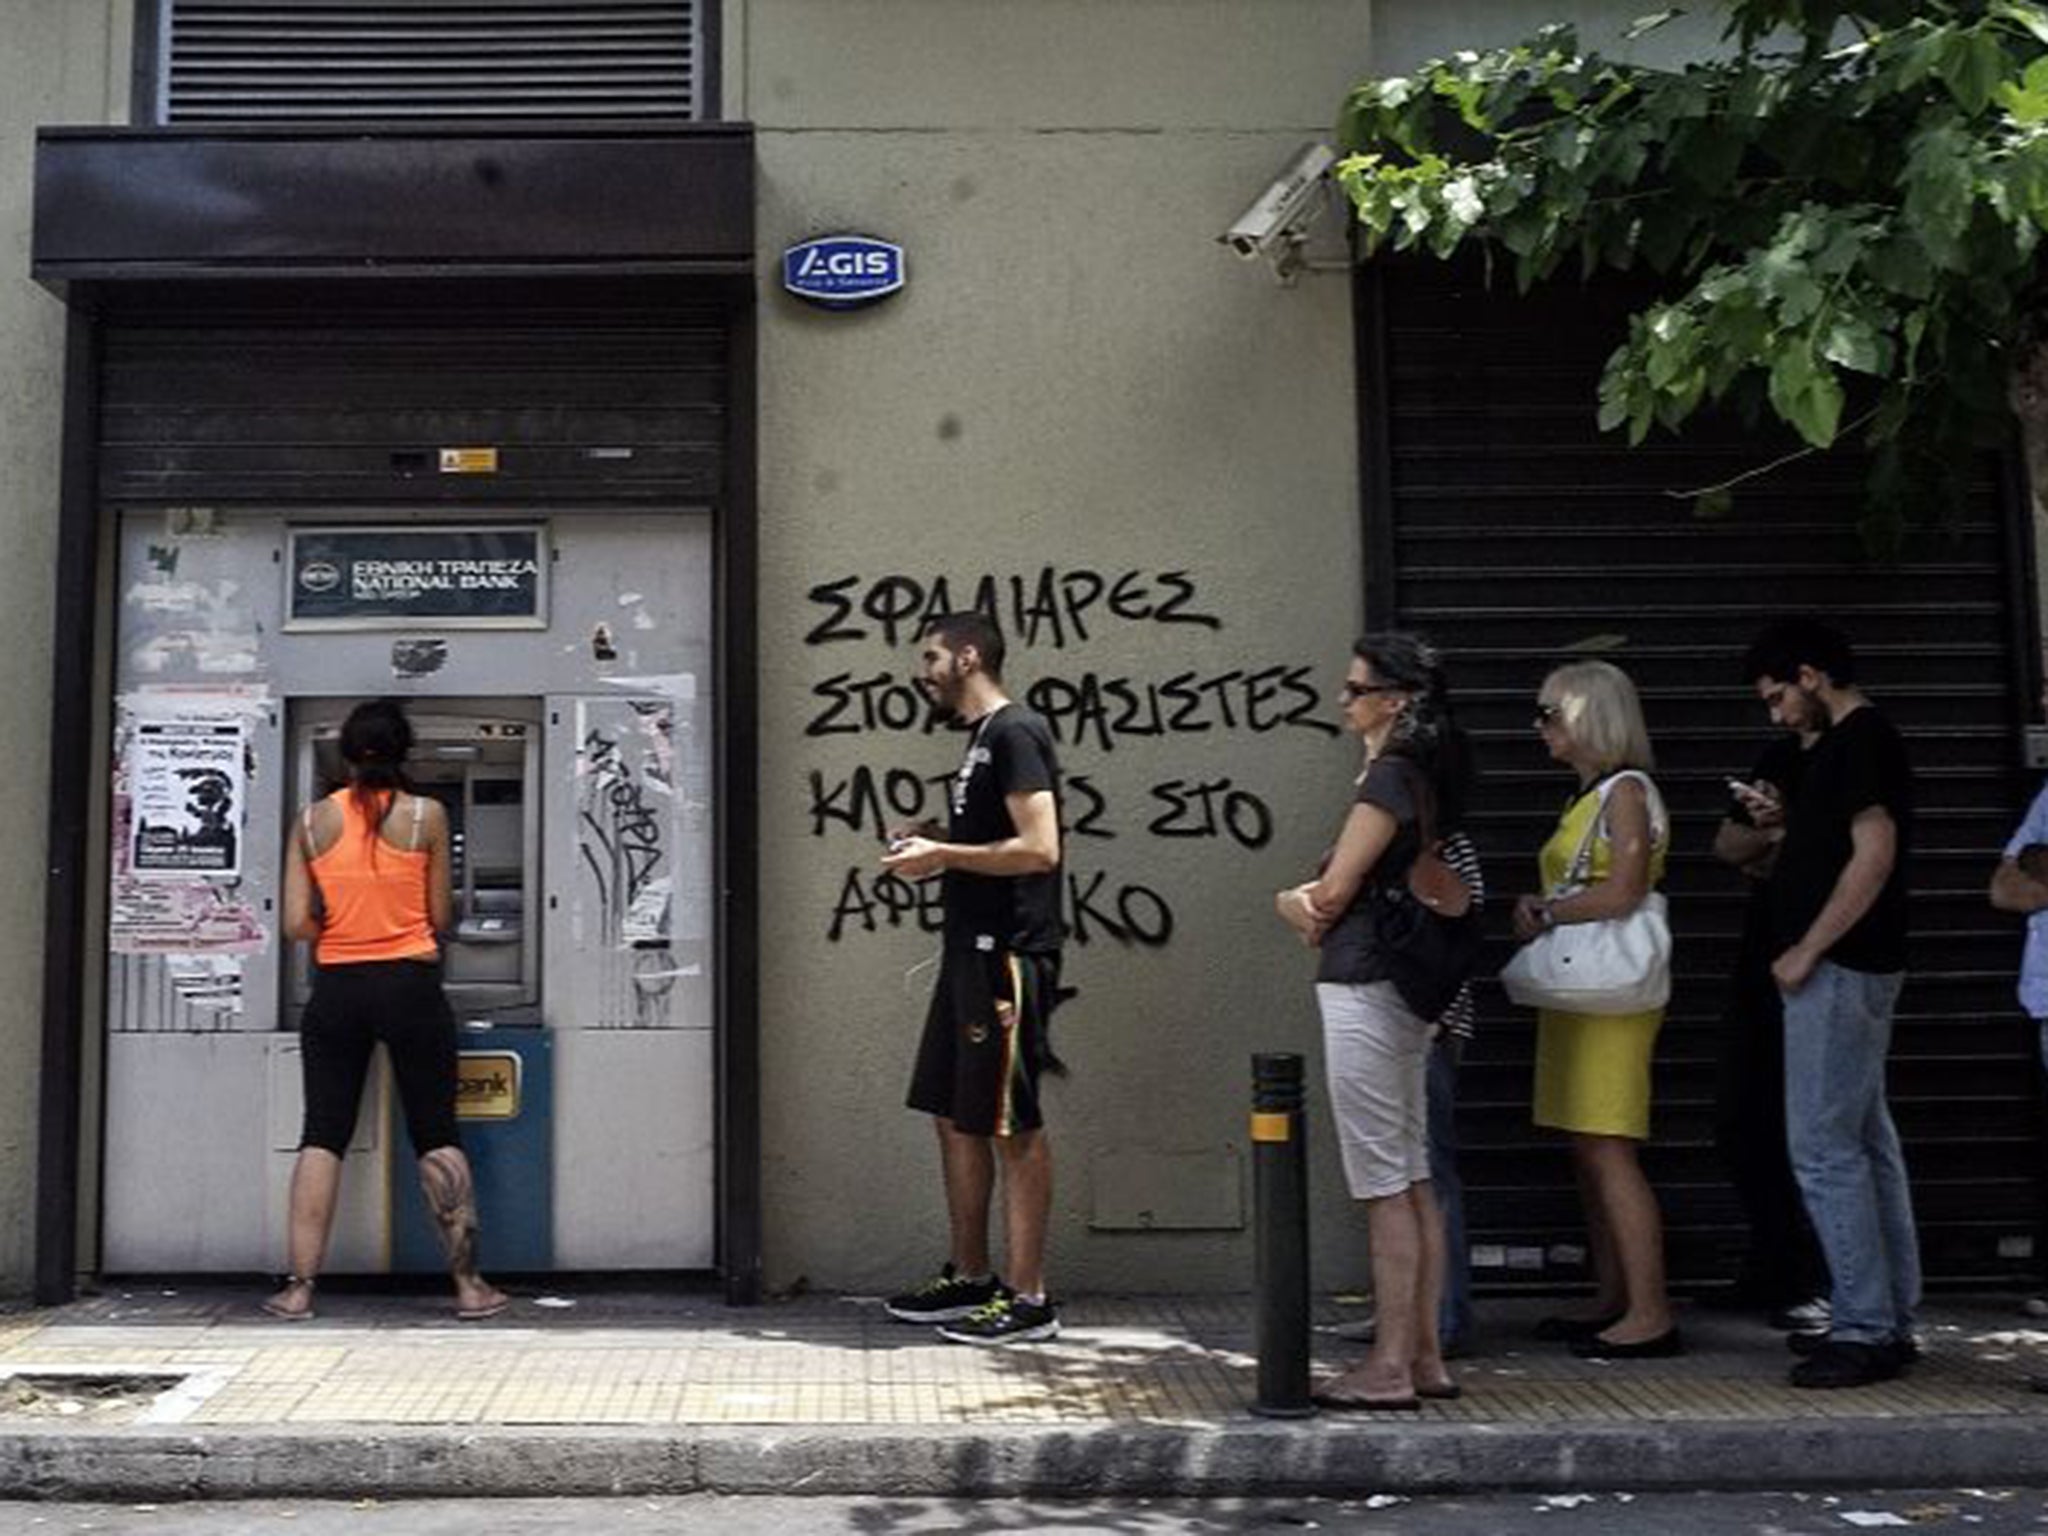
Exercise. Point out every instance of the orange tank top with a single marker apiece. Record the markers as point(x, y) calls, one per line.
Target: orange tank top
point(375, 895)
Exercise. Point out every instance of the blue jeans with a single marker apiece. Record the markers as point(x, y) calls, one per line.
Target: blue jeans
point(1454, 1313)
point(1845, 1151)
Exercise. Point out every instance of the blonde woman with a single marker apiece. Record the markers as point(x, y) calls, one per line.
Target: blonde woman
point(1593, 1071)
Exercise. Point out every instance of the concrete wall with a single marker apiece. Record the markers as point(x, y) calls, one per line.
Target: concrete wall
point(63, 61)
point(1079, 381)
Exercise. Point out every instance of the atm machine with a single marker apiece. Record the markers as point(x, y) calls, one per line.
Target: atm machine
point(566, 729)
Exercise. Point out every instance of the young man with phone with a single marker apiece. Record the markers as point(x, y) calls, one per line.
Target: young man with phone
point(985, 1041)
point(1838, 912)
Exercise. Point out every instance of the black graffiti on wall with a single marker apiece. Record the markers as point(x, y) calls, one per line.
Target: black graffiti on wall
point(1099, 907)
point(1053, 607)
point(1090, 709)
point(1090, 712)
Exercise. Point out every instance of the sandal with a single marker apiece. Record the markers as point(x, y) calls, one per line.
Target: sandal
point(484, 1313)
point(273, 1307)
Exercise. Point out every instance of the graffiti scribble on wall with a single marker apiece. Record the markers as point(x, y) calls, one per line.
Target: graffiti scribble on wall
point(1091, 713)
point(625, 853)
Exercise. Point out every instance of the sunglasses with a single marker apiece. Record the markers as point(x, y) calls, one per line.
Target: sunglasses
point(1354, 691)
point(1549, 714)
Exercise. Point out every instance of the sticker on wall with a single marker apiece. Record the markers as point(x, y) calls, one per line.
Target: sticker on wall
point(843, 271)
point(418, 657)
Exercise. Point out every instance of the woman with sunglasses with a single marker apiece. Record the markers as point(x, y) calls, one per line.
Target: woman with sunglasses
point(1376, 1049)
point(1593, 1071)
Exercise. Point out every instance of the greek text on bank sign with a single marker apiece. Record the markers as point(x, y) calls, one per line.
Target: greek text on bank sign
point(840, 271)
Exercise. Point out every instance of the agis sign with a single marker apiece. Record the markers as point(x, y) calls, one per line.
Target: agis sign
point(842, 271)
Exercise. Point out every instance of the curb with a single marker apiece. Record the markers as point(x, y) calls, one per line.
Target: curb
point(1330, 1458)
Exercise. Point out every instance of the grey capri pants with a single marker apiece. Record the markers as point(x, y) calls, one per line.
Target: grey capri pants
point(1376, 1052)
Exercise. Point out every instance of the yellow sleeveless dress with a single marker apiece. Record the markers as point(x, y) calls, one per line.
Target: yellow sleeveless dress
point(1593, 1070)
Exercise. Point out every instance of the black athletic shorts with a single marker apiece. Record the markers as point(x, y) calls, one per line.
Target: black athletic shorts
point(986, 1041)
point(399, 1002)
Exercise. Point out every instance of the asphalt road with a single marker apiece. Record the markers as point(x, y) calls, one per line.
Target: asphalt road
point(1979, 1511)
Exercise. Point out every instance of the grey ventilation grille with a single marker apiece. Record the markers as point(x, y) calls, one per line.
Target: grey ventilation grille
point(327, 60)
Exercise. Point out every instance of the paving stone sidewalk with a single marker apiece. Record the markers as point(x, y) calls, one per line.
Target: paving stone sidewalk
point(665, 1381)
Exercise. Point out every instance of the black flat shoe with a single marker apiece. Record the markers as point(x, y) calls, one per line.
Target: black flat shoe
point(1566, 1330)
point(1662, 1347)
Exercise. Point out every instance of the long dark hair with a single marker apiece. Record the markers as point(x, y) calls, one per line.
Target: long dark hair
point(1427, 734)
point(375, 739)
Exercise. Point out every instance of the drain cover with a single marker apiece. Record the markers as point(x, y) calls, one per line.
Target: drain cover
point(83, 1396)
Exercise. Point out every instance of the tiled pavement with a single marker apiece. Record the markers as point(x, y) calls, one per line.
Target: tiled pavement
point(617, 1359)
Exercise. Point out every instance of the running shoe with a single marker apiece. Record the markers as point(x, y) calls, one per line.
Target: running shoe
point(1008, 1319)
point(945, 1298)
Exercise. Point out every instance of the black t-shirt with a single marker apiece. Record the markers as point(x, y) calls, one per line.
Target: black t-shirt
point(1009, 752)
point(1782, 764)
point(1350, 949)
point(1861, 762)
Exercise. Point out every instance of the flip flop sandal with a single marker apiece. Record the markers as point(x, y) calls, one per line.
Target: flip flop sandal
point(283, 1314)
point(1354, 1402)
point(483, 1313)
point(1449, 1392)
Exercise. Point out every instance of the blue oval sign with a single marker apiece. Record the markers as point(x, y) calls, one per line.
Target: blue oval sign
point(841, 271)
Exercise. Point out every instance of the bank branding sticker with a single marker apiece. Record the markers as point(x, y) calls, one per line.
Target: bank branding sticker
point(487, 1085)
point(842, 271)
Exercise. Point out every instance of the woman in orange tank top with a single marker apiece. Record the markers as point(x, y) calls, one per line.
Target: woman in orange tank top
point(366, 882)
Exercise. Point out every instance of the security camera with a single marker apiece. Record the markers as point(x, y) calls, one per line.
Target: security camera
point(1278, 220)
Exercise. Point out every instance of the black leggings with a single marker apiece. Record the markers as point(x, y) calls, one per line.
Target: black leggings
point(399, 1002)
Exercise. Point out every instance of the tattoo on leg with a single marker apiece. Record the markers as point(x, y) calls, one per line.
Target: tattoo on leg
point(445, 1180)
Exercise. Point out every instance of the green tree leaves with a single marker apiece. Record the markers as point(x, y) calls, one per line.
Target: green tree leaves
point(1858, 191)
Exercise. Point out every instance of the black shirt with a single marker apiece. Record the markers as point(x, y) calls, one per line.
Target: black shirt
point(1782, 765)
point(1350, 950)
point(1861, 762)
point(1009, 752)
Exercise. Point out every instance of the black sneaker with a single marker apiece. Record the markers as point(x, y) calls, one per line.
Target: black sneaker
point(1846, 1365)
point(1903, 1348)
point(945, 1298)
point(1008, 1319)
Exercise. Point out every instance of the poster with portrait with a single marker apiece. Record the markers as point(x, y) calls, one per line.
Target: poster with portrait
point(186, 779)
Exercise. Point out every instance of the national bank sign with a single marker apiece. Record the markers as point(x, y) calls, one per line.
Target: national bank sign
point(843, 271)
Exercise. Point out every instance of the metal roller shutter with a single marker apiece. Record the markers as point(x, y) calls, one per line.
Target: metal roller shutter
point(325, 60)
point(1501, 522)
point(632, 407)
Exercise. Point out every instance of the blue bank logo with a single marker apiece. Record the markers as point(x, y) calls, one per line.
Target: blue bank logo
point(841, 271)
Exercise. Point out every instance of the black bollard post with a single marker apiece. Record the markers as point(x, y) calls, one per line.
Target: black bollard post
point(1280, 1220)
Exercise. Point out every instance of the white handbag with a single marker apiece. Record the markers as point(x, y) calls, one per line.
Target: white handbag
point(1614, 965)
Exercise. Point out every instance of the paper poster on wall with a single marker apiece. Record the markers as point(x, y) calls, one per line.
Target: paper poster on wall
point(187, 780)
point(182, 769)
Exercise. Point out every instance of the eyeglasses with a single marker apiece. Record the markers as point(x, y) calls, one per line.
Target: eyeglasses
point(1354, 691)
point(1549, 714)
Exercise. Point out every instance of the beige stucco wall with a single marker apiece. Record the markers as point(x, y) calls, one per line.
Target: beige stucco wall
point(61, 61)
point(1078, 377)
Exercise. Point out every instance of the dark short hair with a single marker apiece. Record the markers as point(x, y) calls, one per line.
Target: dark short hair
point(1786, 645)
point(970, 626)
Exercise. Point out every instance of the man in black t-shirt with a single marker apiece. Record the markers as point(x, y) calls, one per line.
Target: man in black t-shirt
point(1838, 922)
point(985, 1042)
